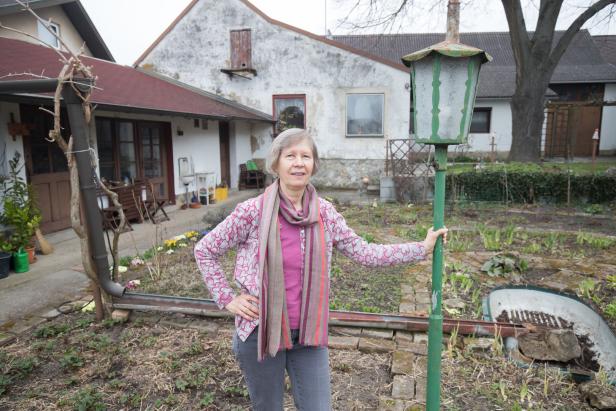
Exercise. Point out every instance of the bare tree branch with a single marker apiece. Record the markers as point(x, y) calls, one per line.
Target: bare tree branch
point(574, 28)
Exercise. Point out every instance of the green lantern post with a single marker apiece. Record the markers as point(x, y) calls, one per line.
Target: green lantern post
point(444, 81)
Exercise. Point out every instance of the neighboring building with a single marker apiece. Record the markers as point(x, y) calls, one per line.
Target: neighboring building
point(142, 123)
point(582, 75)
point(352, 92)
point(607, 47)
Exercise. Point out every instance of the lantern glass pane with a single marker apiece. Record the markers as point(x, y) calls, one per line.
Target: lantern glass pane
point(444, 107)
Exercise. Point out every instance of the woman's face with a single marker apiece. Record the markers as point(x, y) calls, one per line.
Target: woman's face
point(295, 165)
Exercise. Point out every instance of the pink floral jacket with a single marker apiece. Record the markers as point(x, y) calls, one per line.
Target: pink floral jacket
point(240, 229)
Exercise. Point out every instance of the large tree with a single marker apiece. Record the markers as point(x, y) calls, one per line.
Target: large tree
point(536, 55)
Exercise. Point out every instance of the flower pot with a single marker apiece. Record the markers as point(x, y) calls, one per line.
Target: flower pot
point(195, 205)
point(31, 254)
point(5, 262)
point(20, 261)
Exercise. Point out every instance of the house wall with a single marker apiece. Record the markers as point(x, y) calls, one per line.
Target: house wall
point(287, 63)
point(8, 147)
point(607, 144)
point(500, 126)
point(201, 146)
point(26, 22)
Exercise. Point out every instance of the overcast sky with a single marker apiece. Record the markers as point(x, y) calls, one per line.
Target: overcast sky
point(129, 27)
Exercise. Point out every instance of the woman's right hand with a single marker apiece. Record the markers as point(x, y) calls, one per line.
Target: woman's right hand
point(245, 305)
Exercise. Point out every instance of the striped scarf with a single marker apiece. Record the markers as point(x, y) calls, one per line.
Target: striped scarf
point(274, 332)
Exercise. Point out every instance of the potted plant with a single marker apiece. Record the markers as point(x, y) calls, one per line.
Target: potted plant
point(5, 257)
point(19, 209)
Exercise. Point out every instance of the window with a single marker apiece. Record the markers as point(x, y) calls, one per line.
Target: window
point(480, 122)
point(241, 49)
point(364, 115)
point(46, 37)
point(289, 111)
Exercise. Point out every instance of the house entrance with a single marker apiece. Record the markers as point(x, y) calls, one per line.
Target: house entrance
point(130, 150)
point(47, 169)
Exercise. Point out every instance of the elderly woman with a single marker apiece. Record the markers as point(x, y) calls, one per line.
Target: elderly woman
point(284, 240)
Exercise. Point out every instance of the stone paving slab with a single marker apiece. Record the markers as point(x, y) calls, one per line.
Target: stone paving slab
point(415, 348)
point(421, 385)
point(346, 331)
point(343, 342)
point(403, 387)
point(374, 333)
point(420, 337)
point(403, 362)
point(378, 345)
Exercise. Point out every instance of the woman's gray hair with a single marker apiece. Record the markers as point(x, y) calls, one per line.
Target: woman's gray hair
point(286, 139)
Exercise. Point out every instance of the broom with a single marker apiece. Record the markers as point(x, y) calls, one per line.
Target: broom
point(46, 248)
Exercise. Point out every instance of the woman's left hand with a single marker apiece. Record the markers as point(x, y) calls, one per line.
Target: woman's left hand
point(432, 236)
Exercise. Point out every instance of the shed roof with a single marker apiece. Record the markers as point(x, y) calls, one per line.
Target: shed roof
point(581, 63)
point(123, 88)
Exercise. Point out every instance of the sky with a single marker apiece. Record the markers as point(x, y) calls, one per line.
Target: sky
point(128, 27)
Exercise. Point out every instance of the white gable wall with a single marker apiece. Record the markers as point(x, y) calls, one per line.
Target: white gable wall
point(287, 63)
point(27, 23)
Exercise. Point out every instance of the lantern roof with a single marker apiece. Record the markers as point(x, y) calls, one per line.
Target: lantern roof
point(449, 49)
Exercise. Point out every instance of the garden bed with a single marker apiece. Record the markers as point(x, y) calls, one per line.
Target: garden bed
point(151, 364)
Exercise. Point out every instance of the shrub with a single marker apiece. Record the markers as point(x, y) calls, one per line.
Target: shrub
point(530, 183)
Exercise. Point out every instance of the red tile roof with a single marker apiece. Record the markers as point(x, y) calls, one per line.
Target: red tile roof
point(123, 88)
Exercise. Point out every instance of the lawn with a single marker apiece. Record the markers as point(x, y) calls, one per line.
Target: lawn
point(180, 362)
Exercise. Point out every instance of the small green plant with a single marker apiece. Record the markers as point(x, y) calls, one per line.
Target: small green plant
point(207, 399)
point(611, 281)
point(610, 310)
point(551, 241)
point(593, 209)
point(71, 360)
point(181, 384)
point(51, 330)
point(24, 366)
point(125, 261)
point(88, 399)
point(491, 238)
point(587, 287)
point(369, 238)
point(98, 342)
point(594, 241)
point(503, 264)
point(532, 248)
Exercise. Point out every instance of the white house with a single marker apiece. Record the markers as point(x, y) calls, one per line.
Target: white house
point(352, 92)
point(144, 124)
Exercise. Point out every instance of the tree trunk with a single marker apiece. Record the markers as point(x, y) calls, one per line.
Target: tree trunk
point(527, 115)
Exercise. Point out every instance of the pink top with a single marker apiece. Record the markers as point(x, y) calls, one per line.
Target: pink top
point(241, 230)
point(292, 265)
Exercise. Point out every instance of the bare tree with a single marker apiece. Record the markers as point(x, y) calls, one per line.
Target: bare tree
point(73, 72)
point(536, 58)
point(536, 55)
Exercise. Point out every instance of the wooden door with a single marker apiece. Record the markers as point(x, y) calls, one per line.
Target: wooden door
point(153, 156)
point(47, 170)
point(225, 171)
point(589, 118)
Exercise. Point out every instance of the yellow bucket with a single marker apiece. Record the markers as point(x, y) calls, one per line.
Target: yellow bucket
point(221, 193)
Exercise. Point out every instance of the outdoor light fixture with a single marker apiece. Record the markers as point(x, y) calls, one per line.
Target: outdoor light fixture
point(444, 81)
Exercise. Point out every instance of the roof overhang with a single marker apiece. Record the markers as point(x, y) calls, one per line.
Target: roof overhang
point(47, 100)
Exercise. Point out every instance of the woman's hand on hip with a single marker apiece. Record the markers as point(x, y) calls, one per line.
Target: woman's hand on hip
point(432, 236)
point(244, 305)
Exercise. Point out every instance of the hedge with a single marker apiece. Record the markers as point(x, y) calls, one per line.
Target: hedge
point(530, 185)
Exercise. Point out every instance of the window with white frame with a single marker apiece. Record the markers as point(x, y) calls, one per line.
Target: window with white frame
point(364, 115)
point(46, 36)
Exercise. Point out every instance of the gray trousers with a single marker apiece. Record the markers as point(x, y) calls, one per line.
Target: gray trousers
point(308, 369)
